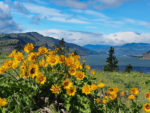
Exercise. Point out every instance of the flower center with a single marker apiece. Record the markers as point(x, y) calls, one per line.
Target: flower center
point(32, 70)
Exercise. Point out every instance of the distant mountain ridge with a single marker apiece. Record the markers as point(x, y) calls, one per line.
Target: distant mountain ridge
point(11, 41)
point(126, 49)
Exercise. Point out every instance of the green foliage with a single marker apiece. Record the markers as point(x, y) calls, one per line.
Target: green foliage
point(128, 68)
point(112, 61)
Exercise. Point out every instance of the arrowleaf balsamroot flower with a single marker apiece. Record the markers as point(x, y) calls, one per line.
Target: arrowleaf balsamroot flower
point(55, 89)
point(147, 107)
point(12, 54)
point(32, 56)
point(52, 59)
point(86, 89)
point(72, 71)
point(71, 91)
point(69, 61)
point(67, 84)
point(131, 97)
point(104, 101)
point(3, 101)
point(88, 67)
point(18, 56)
point(113, 90)
point(147, 95)
point(33, 70)
point(61, 58)
point(113, 96)
point(93, 72)
point(40, 78)
point(80, 75)
point(134, 91)
point(28, 47)
point(122, 93)
point(8, 64)
point(93, 87)
point(101, 85)
point(2, 69)
point(97, 100)
point(42, 50)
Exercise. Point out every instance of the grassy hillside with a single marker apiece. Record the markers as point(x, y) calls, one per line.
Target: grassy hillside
point(126, 81)
point(9, 42)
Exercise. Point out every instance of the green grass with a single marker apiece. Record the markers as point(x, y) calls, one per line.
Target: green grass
point(3, 57)
point(126, 81)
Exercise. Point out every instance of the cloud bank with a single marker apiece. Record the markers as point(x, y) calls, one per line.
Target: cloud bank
point(83, 38)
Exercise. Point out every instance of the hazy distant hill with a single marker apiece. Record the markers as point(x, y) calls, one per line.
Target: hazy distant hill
point(99, 48)
point(146, 56)
point(126, 49)
point(8, 42)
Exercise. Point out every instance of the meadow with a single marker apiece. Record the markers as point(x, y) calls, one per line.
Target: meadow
point(126, 81)
point(56, 81)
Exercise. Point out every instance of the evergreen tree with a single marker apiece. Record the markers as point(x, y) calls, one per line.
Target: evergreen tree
point(111, 61)
point(128, 69)
point(61, 47)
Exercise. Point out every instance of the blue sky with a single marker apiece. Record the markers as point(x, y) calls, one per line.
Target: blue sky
point(113, 22)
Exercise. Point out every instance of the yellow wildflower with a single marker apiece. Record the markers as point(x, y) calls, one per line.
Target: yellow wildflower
point(40, 78)
point(52, 59)
point(32, 56)
point(86, 89)
point(8, 64)
point(3, 102)
point(134, 91)
point(80, 75)
point(147, 107)
point(104, 101)
point(122, 93)
point(2, 69)
point(28, 47)
point(87, 67)
point(42, 50)
point(113, 96)
point(18, 56)
point(33, 70)
point(93, 72)
point(101, 85)
point(61, 58)
point(12, 54)
point(67, 84)
point(147, 95)
point(131, 97)
point(93, 87)
point(71, 91)
point(55, 89)
point(72, 71)
point(69, 61)
point(97, 100)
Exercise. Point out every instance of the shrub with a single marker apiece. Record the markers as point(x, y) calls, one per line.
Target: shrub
point(34, 80)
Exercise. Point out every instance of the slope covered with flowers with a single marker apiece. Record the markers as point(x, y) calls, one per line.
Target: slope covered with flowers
point(33, 80)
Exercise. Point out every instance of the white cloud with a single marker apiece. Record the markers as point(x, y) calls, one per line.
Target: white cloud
point(92, 13)
point(71, 3)
point(96, 4)
point(19, 7)
point(138, 22)
point(7, 24)
point(83, 38)
point(52, 14)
